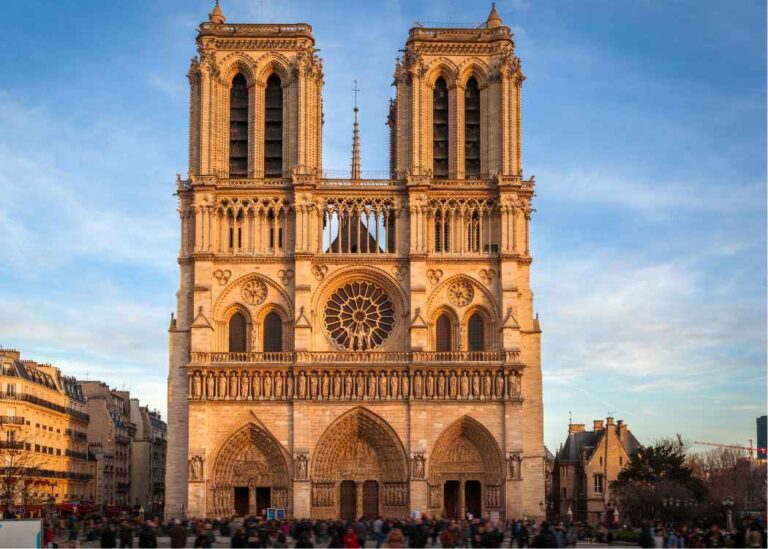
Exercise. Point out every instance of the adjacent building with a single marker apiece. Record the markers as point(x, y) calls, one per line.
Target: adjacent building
point(762, 437)
point(43, 435)
point(585, 466)
point(355, 346)
point(148, 459)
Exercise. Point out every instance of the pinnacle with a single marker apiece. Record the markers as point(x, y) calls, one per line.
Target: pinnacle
point(216, 15)
point(494, 20)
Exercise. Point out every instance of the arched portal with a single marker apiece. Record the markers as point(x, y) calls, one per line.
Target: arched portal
point(359, 468)
point(250, 473)
point(466, 472)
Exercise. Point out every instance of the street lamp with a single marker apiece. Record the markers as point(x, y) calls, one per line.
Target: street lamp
point(728, 502)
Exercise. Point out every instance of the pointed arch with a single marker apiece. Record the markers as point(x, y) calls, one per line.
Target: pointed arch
point(467, 448)
point(473, 67)
point(273, 63)
point(251, 456)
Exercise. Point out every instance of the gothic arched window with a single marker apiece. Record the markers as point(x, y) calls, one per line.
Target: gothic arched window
point(476, 333)
point(237, 333)
point(238, 127)
point(443, 334)
point(273, 333)
point(440, 129)
point(273, 127)
point(471, 129)
point(442, 233)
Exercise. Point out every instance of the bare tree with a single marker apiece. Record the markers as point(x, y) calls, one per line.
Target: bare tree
point(18, 468)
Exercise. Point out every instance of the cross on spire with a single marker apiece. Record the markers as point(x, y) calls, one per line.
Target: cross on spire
point(355, 172)
point(355, 89)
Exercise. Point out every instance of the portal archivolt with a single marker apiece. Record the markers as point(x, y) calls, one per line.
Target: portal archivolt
point(250, 472)
point(359, 468)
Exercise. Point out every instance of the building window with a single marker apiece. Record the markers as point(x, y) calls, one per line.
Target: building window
point(471, 129)
point(237, 333)
point(273, 127)
point(440, 129)
point(273, 333)
point(621, 460)
point(598, 479)
point(443, 335)
point(476, 333)
point(238, 127)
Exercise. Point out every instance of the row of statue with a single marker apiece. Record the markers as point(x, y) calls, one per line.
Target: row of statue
point(219, 384)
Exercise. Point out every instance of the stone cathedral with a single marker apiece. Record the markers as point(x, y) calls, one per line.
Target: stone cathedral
point(355, 347)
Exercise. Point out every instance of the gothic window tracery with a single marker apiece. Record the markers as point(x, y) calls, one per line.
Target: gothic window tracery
point(471, 128)
point(238, 127)
point(359, 316)
point(440, 145)
point(273, 127)
point(464, 225)
point(359, 225)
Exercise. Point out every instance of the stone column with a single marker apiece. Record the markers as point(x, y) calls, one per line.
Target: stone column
point(462, 502)
point(358, 498)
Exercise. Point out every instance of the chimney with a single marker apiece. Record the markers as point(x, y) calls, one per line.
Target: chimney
point(597, 425)
point(575, 428)
point(610, 421)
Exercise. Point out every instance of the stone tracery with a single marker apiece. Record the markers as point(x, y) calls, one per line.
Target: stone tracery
point(359, 316)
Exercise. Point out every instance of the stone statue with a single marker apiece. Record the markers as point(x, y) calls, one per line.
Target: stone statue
point(382, 385)
point(289, 385)
point(440, 385)
point(256, 386)
point(518, 384)
point(210, 390)
point(313, 385)
point(430, 385)
point(418, 466)
point(360, 384)
point(325, 387)
point(268, 386)
point(405, 385)
point(197, 388)
point(301, 467)
point(196, 469)
point(244, 386)
point(279, 384)
point(302, 385)
point(510, 384)
point(499, 385)
point(393, 385)
point(233, 385)
point(464, 385)
point(487, 385)
point(452, 386)
point(417, 385)
point(475, 385)
point(337, 382)
point(371, 385)
point(222, 386)
point(515, 466)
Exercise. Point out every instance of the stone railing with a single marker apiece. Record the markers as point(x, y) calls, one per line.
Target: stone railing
point(11, 420)
point(358, 382)
point(361, 357)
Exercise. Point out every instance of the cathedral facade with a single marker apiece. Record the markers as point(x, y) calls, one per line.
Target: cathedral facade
point(348, 347)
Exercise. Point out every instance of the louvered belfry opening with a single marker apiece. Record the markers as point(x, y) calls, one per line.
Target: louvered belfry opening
point(273, 333)
point(273, 127)
point(471, 129)
point(237, 343)
point(238, 127)
point(440, 129)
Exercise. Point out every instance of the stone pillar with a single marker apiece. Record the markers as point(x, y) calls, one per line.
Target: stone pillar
point(462, 502)
point(252, 501)
point(302, 499)
point(359, 498)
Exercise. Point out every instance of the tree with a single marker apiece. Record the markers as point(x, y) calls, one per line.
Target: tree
point(18, 467)
point(658, 482)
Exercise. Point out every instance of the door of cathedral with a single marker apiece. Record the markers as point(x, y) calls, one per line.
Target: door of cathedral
point(472, 497)
point(241, 501)
point(348, 500)
point(451, 498)
point(370, 499)
point(263, 499)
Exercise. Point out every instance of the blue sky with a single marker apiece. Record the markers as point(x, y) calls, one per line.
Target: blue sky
point(644, 124)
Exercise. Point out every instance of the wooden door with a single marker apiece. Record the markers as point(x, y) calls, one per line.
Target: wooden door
point(472, 498)
point(241, 501)
point(370, 499)
point(347, 500)
point(451, 498)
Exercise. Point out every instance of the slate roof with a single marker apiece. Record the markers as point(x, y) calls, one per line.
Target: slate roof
point(589, 440)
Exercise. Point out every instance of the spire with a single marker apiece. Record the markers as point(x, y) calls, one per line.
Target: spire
point(216, 15)
point(356, 141)
point(493, 21)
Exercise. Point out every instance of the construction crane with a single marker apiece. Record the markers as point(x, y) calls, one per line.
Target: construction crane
point(749, 448)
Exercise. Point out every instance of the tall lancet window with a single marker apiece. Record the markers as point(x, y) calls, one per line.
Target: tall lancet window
point(443, 334)
point(476, 333)
point(273, 127)
point(471, 129)
point(238, 127)
point(440, 129)
point(237, 333)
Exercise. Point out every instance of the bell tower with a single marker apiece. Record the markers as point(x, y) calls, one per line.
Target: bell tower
point(458, 102)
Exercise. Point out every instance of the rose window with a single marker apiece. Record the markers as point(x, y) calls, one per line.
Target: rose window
point(359, 316)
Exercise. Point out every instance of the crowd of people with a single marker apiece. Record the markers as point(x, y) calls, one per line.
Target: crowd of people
point(135, 531)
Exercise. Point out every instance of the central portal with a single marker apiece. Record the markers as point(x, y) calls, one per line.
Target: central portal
point(359, 470)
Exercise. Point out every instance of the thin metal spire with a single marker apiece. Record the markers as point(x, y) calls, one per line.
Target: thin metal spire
point(356, 141)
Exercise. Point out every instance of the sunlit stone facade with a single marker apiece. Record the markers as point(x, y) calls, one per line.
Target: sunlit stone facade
point(354, 347)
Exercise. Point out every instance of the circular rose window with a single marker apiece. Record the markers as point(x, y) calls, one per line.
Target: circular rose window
point(359, 316)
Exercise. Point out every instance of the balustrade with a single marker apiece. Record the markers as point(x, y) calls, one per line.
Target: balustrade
point(356, 357)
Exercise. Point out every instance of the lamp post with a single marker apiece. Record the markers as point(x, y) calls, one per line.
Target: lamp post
point(728, 502)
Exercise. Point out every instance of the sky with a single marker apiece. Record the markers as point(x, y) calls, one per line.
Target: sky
point(644, 123)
